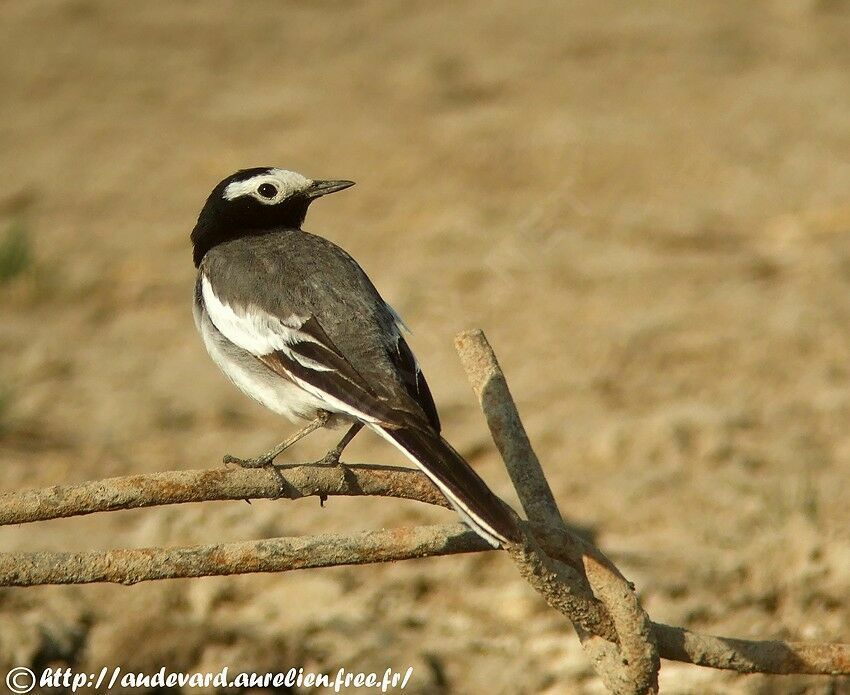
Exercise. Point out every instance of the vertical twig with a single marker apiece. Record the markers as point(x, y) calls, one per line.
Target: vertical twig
point(488, 382)
point(629, 667)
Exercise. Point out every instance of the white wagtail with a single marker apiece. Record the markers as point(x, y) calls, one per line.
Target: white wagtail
point(296, 324)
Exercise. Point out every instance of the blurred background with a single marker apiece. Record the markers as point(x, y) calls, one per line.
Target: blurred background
point(645, 205)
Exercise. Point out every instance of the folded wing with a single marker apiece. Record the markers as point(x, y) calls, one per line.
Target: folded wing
point(297, 348)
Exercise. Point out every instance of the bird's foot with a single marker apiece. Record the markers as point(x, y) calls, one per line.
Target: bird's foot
point(264, 461)
point(330, 459)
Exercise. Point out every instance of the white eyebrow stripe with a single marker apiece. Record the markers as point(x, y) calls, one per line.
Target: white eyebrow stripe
point(287, 183)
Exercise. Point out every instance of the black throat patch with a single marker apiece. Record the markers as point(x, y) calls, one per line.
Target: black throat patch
point(222, 220)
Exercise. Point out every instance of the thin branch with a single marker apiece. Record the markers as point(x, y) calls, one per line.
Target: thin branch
point(132, 566)
point(635, 667)
point(563, 587)
point(178, 487)
point(488, 381)
point(629, 667)
point(751, 656)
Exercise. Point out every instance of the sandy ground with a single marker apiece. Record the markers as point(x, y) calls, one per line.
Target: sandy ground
point(646, 207)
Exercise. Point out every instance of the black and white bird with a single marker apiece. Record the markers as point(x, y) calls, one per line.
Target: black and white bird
point(297, 325)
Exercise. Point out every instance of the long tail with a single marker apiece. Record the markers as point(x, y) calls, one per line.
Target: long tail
point(485, 513)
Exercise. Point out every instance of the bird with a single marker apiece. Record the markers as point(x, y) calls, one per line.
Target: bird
point(297, 325)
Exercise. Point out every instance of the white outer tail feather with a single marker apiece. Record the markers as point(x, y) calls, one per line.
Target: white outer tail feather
point(472, 520)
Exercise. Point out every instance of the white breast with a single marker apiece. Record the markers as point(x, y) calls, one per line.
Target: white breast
point(252, 377)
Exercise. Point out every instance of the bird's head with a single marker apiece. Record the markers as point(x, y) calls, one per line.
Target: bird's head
point(253, 201)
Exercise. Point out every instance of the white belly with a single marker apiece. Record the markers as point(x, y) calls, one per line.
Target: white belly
point(253, 378)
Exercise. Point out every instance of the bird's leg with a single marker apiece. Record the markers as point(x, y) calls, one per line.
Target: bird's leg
point(265, 461)
point(332, 457)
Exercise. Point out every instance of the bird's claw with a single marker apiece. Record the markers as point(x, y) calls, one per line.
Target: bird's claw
point(260, 462)
point(330, 459)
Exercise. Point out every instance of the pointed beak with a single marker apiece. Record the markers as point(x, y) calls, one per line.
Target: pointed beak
point(320, 188)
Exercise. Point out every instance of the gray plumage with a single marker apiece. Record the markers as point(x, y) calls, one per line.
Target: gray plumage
point(294, 273)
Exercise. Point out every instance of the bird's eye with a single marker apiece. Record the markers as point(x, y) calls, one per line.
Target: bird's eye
point(267, 190)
